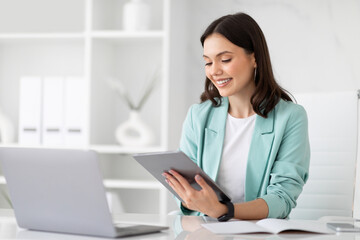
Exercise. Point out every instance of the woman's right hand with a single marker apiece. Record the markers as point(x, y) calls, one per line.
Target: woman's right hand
point(204, 200)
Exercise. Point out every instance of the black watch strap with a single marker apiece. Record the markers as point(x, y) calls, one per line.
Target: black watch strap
point(230, 214)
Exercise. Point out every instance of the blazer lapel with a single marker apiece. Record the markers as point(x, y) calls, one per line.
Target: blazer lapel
point(214, 139)
point(259, 152)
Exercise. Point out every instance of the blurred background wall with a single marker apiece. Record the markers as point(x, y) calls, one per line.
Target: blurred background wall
point(314, 47)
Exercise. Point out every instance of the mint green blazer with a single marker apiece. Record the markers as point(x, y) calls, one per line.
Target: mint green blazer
point(279, 155)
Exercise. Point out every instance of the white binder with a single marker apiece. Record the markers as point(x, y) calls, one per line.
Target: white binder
point(75, 112)
point(30, 110)
point(53, 111)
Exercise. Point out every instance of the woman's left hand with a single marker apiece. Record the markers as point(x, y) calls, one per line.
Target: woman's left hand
point(204, 200)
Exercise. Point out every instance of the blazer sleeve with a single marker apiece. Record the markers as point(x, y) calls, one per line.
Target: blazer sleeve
point(291, 166)
point(188, 145)
point(188, 142)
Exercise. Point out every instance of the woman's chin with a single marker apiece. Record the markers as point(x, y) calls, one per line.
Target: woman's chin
point(224, 93)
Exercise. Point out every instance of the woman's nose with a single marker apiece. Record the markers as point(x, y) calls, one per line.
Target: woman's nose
point(216, 69)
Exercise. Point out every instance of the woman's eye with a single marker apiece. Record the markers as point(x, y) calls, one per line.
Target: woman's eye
point(226, 60)
point(208, 64)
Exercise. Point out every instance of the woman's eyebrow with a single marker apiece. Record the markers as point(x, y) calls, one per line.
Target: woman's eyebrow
point(219, 54)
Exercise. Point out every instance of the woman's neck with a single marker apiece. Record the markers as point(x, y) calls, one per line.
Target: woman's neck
point(240, 106)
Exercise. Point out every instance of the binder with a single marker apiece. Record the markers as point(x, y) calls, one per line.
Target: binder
point(30, 110)
point(53, 111)
point(75, 133)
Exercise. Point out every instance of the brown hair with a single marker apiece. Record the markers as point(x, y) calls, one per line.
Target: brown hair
point(243, 31)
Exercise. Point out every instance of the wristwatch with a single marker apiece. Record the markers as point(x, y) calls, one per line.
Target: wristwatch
point(230, 214)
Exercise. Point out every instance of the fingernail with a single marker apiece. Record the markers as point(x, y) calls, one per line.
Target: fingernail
point(197, 177)
point(167, 181)
point(164, 174)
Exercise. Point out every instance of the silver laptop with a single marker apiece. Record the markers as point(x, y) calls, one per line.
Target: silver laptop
point(61, 190)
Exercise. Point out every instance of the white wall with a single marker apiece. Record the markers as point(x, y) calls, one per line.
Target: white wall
point(178, 70)
point(313, 44)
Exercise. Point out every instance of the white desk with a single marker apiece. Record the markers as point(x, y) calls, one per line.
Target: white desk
point(10, 230)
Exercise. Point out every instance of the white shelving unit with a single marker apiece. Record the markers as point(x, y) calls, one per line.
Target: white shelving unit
point(85, 38)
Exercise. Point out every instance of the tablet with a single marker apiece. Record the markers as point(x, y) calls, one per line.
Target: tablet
point(157, 163)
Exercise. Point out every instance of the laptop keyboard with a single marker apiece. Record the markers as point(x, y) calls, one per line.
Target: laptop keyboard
point(137, 229)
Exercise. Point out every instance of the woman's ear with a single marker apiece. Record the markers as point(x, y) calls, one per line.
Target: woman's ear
point(253, 59)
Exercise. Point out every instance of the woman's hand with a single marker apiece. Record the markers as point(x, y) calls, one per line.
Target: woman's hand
point(204, 200)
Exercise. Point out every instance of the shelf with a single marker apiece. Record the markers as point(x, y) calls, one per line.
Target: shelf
point(96, 34)
point(40, 35)
point(121, 184)
point(102, 149)
point(11, 37)
point(87, 39)
point(127, 34)
point(116, 149)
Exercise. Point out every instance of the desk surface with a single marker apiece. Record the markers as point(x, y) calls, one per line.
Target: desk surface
point(10, 230)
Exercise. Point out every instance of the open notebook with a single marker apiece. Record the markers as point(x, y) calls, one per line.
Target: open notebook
point(269, 225)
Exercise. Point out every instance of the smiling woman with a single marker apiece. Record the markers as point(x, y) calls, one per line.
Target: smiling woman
point(229, 68)
point(246, 133)
point(249, 44)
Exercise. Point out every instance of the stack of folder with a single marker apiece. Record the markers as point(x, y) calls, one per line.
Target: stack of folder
point(53, 111)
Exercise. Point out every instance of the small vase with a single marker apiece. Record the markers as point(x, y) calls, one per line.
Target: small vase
point(134, 132)
point(136, 15)
point(7, 134)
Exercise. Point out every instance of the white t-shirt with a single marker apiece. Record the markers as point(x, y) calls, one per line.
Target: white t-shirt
point(232, 171)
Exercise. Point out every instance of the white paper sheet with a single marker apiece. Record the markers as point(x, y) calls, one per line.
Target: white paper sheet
point(267, 226)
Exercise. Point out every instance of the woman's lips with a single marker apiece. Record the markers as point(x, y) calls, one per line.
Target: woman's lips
point(223, 82)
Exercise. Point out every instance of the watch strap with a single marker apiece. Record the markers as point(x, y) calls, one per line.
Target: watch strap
point(230, 214)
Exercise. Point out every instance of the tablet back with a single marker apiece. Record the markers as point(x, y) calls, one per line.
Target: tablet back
point(157, 163)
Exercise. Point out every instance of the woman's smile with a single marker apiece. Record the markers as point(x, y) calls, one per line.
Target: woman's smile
point(223, 82)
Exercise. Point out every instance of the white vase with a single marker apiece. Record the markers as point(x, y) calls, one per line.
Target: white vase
point(7, 133)
point(136, 16)
point(134, 132)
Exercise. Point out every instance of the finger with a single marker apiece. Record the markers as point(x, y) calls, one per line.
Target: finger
point(202, 183)
point(174, 184)
point(181, 179)
point(172, 180)
point(168, 178)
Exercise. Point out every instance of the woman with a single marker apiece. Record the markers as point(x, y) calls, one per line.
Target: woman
point(246, 133)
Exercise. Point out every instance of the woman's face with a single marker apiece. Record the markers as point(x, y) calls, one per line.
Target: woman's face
point(228, 66)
